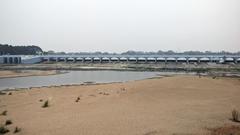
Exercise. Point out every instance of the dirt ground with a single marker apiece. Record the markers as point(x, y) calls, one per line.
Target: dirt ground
point(178, 105)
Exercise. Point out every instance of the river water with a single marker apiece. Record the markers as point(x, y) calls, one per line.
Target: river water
point(74, 77)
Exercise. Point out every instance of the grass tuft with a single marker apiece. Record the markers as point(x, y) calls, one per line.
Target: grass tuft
point(4, 113)
point(78, 98)
point(3, 130)
point(8, 122)
point(214, 77)
point(235, 115)
point(16, 130)
point(46, 104)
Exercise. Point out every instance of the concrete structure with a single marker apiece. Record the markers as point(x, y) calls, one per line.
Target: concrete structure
point(31, 60)
point(18, 59)
point(10, 60)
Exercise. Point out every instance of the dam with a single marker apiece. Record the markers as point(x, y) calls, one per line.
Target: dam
point(34, 59)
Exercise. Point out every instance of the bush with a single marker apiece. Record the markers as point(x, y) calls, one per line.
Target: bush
point(235, 115)
point(8, 122)
point(3, 130)
point(4, 113)
point(46, 104)
point(78, 98)
point(16, 130)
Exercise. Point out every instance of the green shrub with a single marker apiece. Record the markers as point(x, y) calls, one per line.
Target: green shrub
point(3, 130)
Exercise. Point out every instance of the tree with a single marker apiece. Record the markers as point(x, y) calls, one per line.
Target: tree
point(6, 49)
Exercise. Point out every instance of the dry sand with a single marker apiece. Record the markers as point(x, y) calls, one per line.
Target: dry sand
point(22, 73)
point(179, 105)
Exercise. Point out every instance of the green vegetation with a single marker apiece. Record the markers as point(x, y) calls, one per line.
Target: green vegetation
point(3, 130)
point(19, 50)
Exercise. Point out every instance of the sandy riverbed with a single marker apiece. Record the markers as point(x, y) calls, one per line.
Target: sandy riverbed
point(22, 73)
point(176, 105)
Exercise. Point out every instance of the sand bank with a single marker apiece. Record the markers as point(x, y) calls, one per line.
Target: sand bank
point(177, 105)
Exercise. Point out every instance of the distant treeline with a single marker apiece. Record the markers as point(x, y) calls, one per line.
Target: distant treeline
point(6, 49)
point(35, 50)
point(146, 53)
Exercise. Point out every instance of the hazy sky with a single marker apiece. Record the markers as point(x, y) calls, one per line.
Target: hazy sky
point(120, 25)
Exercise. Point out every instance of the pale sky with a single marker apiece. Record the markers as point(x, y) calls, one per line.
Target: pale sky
point(121, 25)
